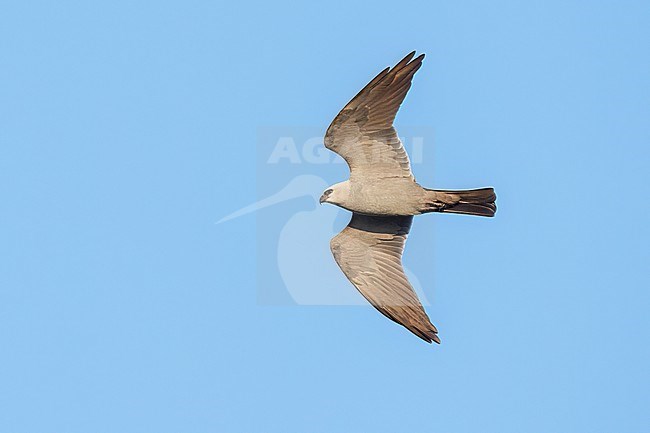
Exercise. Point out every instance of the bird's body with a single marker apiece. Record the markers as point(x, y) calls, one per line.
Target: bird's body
point(401, 197)
point(383, 195)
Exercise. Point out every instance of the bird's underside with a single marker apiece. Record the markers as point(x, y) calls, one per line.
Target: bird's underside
point(383, 196)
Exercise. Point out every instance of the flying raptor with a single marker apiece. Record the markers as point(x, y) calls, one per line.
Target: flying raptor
point(384, 196)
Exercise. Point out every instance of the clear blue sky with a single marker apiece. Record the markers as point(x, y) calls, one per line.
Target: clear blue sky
point(128, 128)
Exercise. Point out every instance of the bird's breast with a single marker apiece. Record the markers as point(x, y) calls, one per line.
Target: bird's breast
point(385, 198)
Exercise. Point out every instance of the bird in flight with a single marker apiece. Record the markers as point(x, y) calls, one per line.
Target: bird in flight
point(383, 196)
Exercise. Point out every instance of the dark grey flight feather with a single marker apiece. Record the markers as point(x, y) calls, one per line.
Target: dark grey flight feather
point(383, 195)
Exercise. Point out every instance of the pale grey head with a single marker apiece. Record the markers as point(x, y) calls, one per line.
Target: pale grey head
point(336, 194)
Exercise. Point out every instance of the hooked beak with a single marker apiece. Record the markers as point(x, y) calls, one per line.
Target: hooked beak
point(322, 199)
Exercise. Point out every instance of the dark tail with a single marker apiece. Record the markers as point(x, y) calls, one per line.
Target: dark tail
point(471, 202)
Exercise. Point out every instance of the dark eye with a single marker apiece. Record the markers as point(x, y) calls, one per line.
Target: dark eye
point(328, 192)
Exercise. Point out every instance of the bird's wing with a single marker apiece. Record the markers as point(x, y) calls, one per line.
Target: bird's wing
point(369, 252)
point(363, 134)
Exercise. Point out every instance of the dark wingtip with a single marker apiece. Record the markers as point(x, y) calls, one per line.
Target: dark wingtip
point(410, 55)
point(405, 61)
point(430, 336)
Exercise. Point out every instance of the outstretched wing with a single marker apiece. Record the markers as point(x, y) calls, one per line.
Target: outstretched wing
point(363, 134)
point(369, 252)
